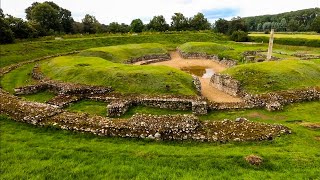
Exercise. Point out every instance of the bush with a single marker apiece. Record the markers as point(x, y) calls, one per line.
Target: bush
point(239, 36)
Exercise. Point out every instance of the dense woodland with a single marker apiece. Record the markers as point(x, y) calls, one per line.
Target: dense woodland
point(302, 20)
point(48, 18)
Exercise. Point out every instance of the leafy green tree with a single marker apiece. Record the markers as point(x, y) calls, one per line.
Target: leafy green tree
point(237, 24)
point(199, 22)
point(20, 28)
point(293, 25)
point(158, 23)
point(283, 24)
point(63, 19)
point(46, 16)
point(316, 24)
point(221, 26)
point(179, 22)
point(77, 27)
point(90, 24)
point(136, 25)
point(6, 34)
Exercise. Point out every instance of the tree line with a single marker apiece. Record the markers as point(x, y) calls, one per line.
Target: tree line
point(48, 18)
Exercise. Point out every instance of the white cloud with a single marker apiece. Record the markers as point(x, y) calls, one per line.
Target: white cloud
point(126, 10)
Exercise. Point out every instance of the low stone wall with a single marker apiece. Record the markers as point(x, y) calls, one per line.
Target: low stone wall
point(225, 62)
point(118, 108)
point(226, 84)
point(154, 57)
point(197, 84)
point(271, 101)
point(166, 127)
point(63, 100)
point(62, 88)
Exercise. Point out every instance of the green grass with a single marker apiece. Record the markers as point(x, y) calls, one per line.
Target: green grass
point(151, 110)
point(17, 78)
point(122, 53)
point(46, 153)
point(123, 78)
point(23, 51)
point(39, 97)
point(277, 75)
point(90, 107)
point(302, 36)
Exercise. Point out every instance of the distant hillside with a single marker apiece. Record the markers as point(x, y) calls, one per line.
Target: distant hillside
point(300, 20)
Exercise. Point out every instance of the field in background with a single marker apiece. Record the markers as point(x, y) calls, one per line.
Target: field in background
point(277, 35)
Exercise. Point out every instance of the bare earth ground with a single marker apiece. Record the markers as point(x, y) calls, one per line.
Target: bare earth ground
point(207, 91)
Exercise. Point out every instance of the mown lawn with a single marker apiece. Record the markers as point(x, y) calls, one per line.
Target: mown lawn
point(29, 152)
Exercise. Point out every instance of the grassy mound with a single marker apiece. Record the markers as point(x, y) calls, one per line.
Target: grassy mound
point(277, 75)
point(229, 50)
point(123, 78)
point(121, 53)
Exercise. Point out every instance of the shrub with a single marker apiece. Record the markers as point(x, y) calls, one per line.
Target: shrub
point(239, 36)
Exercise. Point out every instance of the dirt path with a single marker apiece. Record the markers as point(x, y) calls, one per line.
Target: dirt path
point(207, 91)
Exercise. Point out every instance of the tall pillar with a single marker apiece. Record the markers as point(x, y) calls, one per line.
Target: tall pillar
point(270, 45)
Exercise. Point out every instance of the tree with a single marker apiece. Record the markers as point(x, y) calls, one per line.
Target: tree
point(77, 27)
point(316, 24)
point(20, 28)
point(179, 22)
point(6, 34)
point(199, 22)
point(47, 17)
point(90, 24)
point(136, 25)
point(283, 24)
point(66, 20)
point(293, 25)
point(63, 19)
point(158, 23)
point(221, 26)
point(237, 24)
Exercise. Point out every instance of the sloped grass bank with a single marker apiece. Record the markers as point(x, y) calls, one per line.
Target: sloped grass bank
point(31, 152)
point(227, 50)
point(122, 53)
point(276, 75)
point(123, 78)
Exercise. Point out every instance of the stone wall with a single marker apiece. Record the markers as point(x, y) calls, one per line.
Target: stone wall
point(197, 84)
point(118, 108)
point(225, 62)
point(226, 84)
point(154, 57)
point(166, 127)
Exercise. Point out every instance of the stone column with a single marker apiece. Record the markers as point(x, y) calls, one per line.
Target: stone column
point(270, 45)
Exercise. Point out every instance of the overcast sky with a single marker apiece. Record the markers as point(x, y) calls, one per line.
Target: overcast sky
point(123, 11)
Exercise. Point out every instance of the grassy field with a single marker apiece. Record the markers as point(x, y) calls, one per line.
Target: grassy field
point(29, 152)
point(46, 153)
point(23, 51)
point(122, 53)
point(276, 75)
point(276, 35)
point(123, 78)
